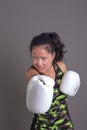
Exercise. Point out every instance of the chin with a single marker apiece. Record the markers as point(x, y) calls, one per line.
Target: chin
point(41, 70)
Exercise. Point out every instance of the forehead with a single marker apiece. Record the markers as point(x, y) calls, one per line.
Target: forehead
point(39, 49)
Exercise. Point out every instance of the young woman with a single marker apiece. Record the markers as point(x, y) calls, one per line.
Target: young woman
point(47, 53)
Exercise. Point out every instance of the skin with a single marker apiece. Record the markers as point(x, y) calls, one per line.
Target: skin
point(42, 61)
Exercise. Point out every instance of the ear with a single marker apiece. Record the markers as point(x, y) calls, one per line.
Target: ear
point(53, 55)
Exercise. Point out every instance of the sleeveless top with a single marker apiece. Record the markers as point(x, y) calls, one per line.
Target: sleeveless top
point(57, 117)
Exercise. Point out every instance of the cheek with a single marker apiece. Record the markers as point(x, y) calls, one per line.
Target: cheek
point(49, 62)
point(34, 62)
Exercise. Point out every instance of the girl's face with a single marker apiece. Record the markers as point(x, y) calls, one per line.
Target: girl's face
point(42, 59)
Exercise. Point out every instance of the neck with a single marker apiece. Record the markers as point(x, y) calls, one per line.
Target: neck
point(50, 72)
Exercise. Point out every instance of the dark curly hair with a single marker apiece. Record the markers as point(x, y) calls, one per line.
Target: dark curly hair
point(52, 42)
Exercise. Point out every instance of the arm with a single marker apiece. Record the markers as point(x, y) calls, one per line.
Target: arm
point(62, 66)
point(39, 92)
point(30, 73)
point(70, 82)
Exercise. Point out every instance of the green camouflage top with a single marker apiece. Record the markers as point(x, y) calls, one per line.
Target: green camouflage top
point(57, 118)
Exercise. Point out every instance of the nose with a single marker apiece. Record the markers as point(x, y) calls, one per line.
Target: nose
point(40, 62)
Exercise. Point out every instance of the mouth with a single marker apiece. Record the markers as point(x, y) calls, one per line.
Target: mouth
point(41, 69)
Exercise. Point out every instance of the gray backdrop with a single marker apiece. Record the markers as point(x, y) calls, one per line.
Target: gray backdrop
point(20, 20)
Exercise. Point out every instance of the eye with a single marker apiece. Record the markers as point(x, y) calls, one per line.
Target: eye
point(34, 58)
point(44, 58)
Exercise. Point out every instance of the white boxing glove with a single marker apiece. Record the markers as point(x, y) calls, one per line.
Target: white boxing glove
point(39, 94)
point(70, 83)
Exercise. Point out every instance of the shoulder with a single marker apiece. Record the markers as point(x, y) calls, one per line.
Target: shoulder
point(30, 73)
point(62, 66)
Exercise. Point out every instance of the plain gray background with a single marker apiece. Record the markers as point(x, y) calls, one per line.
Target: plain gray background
point(20, 20)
